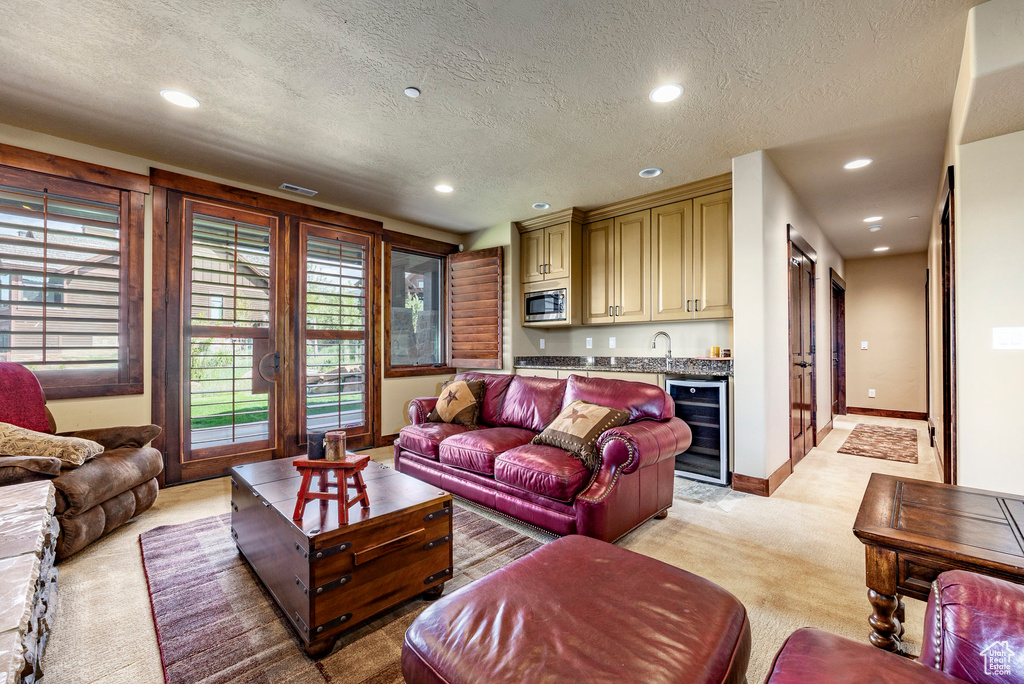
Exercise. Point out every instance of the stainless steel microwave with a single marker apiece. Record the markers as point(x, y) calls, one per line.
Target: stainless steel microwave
point(546, 305)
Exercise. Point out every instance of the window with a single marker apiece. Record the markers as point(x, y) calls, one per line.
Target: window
point(414, 298)
point(70, 276)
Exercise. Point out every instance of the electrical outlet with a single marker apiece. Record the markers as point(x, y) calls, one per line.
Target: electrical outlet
point(542, 343)
point(871, 394)
point(864, 345)
point(611, 343)
point(590, 343)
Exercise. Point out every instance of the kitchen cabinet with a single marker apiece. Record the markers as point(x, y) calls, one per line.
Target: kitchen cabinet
point(545, 253)
point(712, 258)
point(692, 259)
point(616, 275)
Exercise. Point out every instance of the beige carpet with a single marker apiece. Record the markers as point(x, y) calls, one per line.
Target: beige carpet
point(791, 559)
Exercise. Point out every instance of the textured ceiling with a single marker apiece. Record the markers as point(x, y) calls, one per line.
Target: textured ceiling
point(523, 101)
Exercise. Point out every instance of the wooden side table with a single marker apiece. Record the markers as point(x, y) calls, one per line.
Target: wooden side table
point(914, 530)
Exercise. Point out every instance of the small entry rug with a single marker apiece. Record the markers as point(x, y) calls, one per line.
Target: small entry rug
point(215, 623)
point(879, 441)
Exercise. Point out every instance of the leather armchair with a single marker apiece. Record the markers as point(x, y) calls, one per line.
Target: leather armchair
point(973, 632)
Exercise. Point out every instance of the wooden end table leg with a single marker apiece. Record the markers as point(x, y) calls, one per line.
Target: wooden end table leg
point(886, 628)
point(901, 615)
point(318, 649)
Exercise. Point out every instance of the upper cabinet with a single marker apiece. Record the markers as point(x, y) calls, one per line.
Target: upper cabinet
point(545, 253)
point(712, 255)
point(666, 256)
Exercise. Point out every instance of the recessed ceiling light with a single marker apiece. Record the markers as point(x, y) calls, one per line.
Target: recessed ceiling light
point(881, 249)
point(443, 188)
point(541, 205)
point(666, 92)
point(872, 219)
point(412, 92)
point(875, 228)
point(913, 218)
point(857, 163)
point(651, 172)
point(180, 98)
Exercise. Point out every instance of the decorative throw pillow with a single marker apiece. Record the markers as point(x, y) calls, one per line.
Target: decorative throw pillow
point(459, 402)
point(577, 428)
point(72, 451)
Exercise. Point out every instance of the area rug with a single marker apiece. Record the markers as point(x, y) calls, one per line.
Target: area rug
point(217, 625)
point(879, 441)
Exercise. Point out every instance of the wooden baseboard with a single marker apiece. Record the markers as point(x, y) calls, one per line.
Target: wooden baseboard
point(887, 413)
point(823, 433)
point(759, 485)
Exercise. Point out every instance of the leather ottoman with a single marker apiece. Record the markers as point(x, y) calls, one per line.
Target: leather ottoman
point(583, 610)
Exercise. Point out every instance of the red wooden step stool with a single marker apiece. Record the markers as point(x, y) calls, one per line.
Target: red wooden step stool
point(349, 468)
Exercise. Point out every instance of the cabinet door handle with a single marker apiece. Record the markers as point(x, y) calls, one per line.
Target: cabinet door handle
point(688, 306)
point(696, 305)
point(547, 268)
point(611, 311)
point(618, 310)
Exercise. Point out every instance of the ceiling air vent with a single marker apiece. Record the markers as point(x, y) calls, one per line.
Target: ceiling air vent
point(297, 189)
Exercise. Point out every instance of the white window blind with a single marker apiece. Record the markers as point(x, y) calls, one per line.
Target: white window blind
point(60, 281)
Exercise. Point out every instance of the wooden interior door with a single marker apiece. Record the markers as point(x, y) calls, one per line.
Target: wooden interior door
point(230, 349)
point(712, 260)
point(632, 260)
point(599, 273)
point(801, 339)
point(556, 248)
point(838, 349)
point(672, 261)
point(946, 439)
point(532, 255)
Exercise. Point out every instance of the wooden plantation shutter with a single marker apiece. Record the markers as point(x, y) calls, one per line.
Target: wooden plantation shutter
point(70, 279)
point(475, 308)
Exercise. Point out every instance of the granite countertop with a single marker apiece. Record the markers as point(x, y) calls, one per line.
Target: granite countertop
point(631, 364)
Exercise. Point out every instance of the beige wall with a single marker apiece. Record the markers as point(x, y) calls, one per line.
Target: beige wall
point(885, 306)
point(989, 294)
point(72, 414)
point(763, 206)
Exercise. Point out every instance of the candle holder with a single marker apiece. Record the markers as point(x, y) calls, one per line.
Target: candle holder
point(334, 445)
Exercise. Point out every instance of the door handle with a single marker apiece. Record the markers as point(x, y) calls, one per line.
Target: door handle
point(696, 305)
point(262, 363)
point(611, 311)
point(618, 310)
point(688, 306)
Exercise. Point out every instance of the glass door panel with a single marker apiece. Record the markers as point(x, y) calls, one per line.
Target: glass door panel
point(336, 331)
point(230, 359)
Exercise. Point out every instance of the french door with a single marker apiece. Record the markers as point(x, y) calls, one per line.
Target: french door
point(268, 334)
point(230, 337)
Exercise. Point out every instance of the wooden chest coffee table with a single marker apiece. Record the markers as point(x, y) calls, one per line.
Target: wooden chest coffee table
point(328, 578)
point(914, 530)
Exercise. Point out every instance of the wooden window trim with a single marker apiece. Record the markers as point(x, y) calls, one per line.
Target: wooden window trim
point(84, 180)
point(416, 247)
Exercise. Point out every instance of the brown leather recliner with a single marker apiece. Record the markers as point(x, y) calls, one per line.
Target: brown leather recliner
point(100, 495)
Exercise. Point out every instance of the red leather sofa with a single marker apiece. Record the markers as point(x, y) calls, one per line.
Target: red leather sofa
point(497, 467)
point(973, 632)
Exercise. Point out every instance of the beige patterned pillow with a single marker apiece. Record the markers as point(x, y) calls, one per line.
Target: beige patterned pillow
point(459, 402)
point(72, 451)
point(577, 428)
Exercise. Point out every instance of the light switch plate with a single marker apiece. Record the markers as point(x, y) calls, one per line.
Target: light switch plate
point(590, 343)
point(542, 343)
point(864, 345)
point(611, 343)
point(1008, 338)
point(871, 393)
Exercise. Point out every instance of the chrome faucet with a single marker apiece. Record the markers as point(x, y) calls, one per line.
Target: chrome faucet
point(654, 342)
